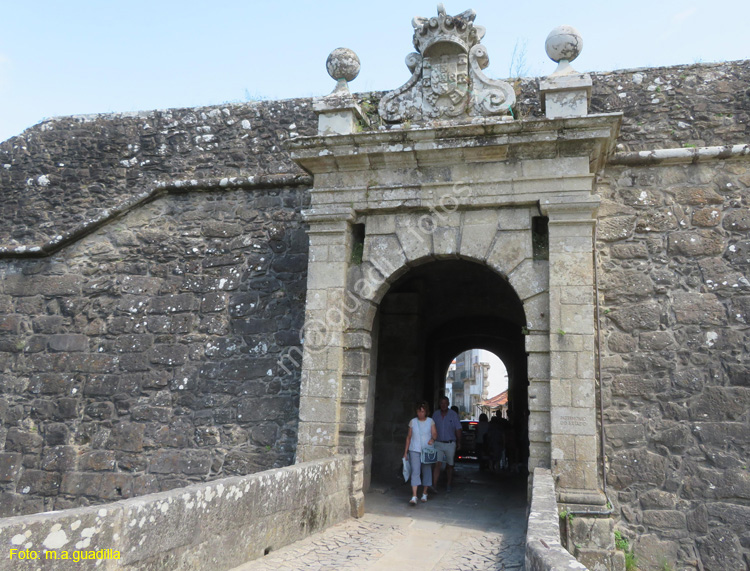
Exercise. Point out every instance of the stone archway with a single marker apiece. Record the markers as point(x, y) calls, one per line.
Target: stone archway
point(384, 203)
point(430, 314)
point(337, 408)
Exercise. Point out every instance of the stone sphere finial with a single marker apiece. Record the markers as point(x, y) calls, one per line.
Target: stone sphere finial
point(343, 63)
point(564, 43)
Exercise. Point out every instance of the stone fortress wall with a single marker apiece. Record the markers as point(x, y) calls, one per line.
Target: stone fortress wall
point(674, 264)
point(175, 250)
point(143, 356)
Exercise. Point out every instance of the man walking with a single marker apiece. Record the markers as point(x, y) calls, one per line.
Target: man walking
point(448, 440)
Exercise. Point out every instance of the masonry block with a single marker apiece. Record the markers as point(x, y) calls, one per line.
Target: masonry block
point(529, 278)
point(385, 253)
point(445, 241)
point(414, 233)
point(509, 250)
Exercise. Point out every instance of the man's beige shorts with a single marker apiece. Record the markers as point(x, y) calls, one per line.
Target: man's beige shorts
point(449, 451)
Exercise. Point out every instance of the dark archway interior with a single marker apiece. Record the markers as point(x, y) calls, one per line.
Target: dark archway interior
point(431, 314)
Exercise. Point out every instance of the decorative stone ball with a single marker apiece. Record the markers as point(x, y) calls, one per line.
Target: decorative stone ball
point(563, 43)
point(343, 63)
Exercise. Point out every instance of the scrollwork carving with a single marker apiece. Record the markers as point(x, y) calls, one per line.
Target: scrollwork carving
point(404, 103)
point(490, 96)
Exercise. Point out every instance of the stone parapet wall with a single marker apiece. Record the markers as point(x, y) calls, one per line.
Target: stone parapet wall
point(544, 552)
point(145, 356)
point(206, 526)
point(64, 172)
point(666, 107)
point(674, 261)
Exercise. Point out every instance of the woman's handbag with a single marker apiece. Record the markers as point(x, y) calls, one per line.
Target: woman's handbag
point(429, 455)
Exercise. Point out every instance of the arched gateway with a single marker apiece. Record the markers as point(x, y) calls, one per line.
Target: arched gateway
point(457, 209)
point(429, 315)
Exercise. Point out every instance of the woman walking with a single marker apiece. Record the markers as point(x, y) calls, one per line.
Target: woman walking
point(422, 432)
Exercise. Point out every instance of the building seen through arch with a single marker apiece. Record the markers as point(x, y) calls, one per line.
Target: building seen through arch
point(473, 377)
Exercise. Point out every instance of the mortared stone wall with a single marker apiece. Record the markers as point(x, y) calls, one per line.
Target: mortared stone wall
point(153, 273)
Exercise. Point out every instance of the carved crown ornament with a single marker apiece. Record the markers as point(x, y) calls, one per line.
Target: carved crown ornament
point(447, 80)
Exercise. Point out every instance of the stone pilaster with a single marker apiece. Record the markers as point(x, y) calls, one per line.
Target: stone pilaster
point(572, 372)
point(537, 348)
point(323, 354)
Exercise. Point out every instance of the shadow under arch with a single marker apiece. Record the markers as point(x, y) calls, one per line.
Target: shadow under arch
point(427, 316)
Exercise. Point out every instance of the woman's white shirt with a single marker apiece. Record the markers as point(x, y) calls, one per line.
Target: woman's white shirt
point(421, 433)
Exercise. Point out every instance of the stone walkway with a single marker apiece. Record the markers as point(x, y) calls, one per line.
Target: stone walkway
point(480, 525)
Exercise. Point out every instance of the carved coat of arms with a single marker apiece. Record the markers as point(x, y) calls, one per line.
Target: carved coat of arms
point(447, 79)
point(445, 85)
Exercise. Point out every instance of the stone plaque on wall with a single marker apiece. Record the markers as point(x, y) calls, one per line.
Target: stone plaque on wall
point(568, 420)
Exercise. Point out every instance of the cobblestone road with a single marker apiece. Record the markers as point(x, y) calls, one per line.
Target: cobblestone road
point(479, 526)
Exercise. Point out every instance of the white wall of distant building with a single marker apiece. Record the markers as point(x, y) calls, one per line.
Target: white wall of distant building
point(498, 374)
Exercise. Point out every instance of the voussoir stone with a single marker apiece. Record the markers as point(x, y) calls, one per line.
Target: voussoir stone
point(144, 355)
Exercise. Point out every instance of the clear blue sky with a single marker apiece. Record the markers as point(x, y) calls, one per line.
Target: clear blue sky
point(76, 57)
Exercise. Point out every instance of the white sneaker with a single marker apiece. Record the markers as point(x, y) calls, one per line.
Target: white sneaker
point(424, 497)
point(413, 501)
